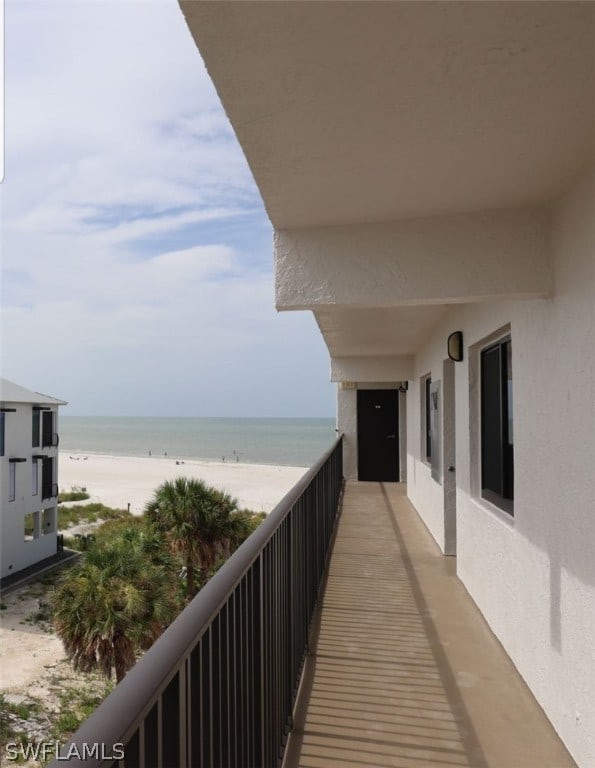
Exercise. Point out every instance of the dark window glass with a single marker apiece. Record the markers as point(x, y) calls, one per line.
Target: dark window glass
point(2, 434)
point(428, 421)
point(497, 459)
point(48, 428)
point(47, 478)
point(35, 435)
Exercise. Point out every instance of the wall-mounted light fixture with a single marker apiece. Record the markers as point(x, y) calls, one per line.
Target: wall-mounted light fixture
point(455, 346)
point(403, 386)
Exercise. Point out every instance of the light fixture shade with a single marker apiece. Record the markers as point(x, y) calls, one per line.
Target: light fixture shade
point(455, 346)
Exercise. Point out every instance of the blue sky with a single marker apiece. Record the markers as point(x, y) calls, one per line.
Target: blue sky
point(136, 253)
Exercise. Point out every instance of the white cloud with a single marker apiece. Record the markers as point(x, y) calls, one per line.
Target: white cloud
point(135, 249)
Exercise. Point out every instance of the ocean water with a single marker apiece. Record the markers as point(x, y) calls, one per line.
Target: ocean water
point(290, 442)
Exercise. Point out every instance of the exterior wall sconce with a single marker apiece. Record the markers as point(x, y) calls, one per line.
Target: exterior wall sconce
point(455, 346)
point(403, 386)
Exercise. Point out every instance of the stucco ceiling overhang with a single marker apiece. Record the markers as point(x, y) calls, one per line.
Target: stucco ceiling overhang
point(357, 112)
point(377, 331)
point(371, 111)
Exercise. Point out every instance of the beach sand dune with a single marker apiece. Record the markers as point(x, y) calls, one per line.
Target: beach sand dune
point(121, 480)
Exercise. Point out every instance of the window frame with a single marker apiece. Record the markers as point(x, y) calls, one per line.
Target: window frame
point(496, 433)
point(35, 476)
point(36, 428)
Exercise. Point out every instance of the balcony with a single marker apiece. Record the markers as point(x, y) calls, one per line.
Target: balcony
point(403, 670)
point(49, 440)
point(397, 666)
point(49, 491)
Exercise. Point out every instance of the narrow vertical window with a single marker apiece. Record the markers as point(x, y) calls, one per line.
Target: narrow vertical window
point(1, 434)
point(426, 421)
point(35, 428)
point(35, 476)
point(48, 429)
point(12, 481)
point(497, 432)
point(48, 489)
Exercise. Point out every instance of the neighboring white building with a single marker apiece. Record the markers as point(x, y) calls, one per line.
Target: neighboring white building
point(29, 477)
point(429, 169)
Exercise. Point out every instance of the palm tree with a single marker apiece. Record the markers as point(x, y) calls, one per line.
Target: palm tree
point(201, 523)
point(115, 602)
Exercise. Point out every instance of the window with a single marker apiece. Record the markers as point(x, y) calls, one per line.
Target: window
point(48, 487)
point(47, 439)
point(36, 427)
point(12, 481)
point(1, 434)
point(426, 420)
point(497, 454)
point(35, 476)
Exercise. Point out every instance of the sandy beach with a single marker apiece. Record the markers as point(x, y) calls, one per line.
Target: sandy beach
point(121, 480)
point(28, 654)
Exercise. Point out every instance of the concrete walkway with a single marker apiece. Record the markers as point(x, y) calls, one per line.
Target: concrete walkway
point(404, 671)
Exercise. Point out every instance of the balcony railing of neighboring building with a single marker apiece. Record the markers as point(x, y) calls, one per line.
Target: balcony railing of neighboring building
point(49, 440)
point(49, 491)
point(218, 687)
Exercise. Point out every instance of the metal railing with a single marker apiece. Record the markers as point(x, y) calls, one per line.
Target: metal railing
point(217, 689)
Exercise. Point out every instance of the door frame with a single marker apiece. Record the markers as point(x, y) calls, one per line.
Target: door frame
point(398, 412)
point(449, 481)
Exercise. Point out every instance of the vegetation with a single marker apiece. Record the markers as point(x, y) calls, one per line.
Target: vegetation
point(7, 731)
point(32, 721)
point(200, 523)
point(88, 513)
point(116, 602)
point(76, 493)
point(125, 590)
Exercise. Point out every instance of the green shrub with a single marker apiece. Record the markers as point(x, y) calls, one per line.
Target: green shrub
point(67, 723)
point(76, 493)
point(89, 513)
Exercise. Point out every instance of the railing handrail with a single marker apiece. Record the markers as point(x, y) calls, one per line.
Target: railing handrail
point(117, 717)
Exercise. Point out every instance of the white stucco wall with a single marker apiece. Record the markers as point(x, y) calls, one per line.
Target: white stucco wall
point(15, 552)
point(489, 254)
point(532, 576)
point(388, 369)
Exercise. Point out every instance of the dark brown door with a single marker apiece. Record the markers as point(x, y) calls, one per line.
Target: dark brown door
point(378, 435)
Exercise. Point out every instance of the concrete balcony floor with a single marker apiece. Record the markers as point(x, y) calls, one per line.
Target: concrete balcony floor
point(403, 669)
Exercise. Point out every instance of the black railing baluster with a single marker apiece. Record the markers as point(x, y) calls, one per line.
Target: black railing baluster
point(170, 723)
point(257, 665)
point(151, 738)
